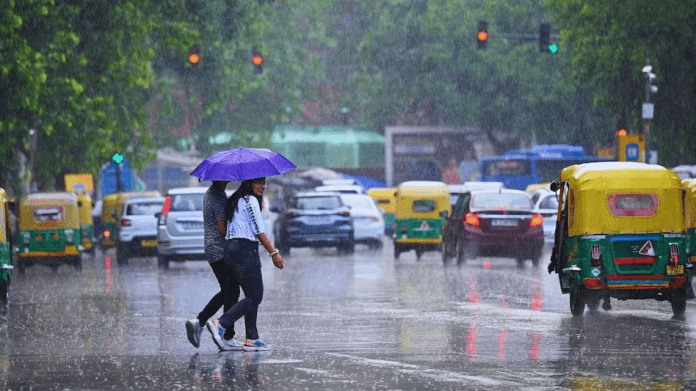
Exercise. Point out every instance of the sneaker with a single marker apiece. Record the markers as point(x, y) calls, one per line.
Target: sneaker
point(232, 344)
point(217, 332)
point(255, 345)
point(193, 332)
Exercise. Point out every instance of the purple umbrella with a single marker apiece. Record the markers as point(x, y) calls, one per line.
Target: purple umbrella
point(242, 163)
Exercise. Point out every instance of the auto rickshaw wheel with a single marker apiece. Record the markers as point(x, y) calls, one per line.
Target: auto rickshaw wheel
point(419, 254)
point(78, 263)
point(121, 256)
point(460, 253)
point(592, 304)
point(446, 255)
point(577, 300)
point(678, 302)
point(21, 266)
point(397, 251)
point(4, 290)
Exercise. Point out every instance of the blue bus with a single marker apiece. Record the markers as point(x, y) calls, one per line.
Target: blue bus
point(518, 169)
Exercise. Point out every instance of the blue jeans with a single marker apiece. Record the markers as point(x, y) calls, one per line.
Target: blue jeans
point(243, 264)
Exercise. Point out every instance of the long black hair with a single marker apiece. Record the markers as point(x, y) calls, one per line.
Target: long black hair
point(245, 188)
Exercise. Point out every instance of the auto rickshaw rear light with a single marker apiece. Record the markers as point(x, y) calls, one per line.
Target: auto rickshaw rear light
point(403, 229)
point(26, 240)
point(472, 219)
point(593, 283)
point(125, 223)
point(673, 253)
point(107, 233)
point(68, 236)
point(536, 221)
point(677, 282)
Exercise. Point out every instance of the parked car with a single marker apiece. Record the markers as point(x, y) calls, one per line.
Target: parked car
point(314, 219)
point(368, 223)
point(137, 233)
point(546, 204)
point(343, 189)
point(498, 223)
point(180, 226)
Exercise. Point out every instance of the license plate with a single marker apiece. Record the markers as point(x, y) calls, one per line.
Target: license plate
point(674, 270)
point(504, 223)
point(192, 225)
point(318, 220)
point(148, 242)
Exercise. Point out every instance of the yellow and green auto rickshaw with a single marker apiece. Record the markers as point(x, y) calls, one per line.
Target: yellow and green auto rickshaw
point(5, 246)
point(84, 202)
point(385, 199)
point(420, 209)
point(49, 230)
point(112, 206)
point(620, 233)
point(689, 186)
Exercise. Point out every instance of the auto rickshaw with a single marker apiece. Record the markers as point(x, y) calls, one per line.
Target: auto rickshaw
point(386, 201)
point(112, 207)
point(84, 202)
point(420, 208)
point(49, 230)
point(5, 246)
point(620, 233)
point(689, 186)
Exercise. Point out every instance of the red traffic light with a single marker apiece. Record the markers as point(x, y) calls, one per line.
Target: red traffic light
point(621, 132)
point(194, 58)
point(482, 34)
point(257, 59)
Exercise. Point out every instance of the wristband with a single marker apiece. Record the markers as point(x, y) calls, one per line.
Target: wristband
point(274, 253)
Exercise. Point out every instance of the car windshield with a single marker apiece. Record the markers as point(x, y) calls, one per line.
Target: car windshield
point(187, 202)
point(317, 203)
point(501, 201)
point(550, 202)
point(140, 209)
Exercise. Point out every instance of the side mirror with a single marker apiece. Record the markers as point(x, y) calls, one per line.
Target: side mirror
point(157, 215)
point(554, 186)
point(444, 214)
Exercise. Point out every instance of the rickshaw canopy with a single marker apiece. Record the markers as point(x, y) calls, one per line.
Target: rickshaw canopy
point(4, 216)
point(422, 199)
point(384, 197)
point(49, 210)
point(622, 197)
point(689, 186)
point(113, 203)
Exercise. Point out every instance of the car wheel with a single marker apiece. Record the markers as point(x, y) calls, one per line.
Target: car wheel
point(678, 302)
point(162, 262)
point(121, 256)
point(281, 246)
point(536, 257)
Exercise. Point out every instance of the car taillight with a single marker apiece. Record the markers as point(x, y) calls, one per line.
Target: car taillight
point(596, 256)
point(166, 207)
point(673, 253)
point(472, 219)
point(536, 221)
point(125, 223)
point(290, 215)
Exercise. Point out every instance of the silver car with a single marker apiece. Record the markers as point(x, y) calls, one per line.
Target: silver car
point(546, 204)
point(180, 226)
point(137, 232)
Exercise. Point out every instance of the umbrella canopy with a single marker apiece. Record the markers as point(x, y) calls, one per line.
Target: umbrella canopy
point(241, 164)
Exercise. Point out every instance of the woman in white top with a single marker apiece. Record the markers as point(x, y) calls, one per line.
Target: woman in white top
point(245, 230)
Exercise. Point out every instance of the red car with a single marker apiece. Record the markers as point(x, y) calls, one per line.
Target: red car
point(496, 223)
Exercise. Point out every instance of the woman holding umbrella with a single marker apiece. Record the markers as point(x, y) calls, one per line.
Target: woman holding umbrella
point(245, 230)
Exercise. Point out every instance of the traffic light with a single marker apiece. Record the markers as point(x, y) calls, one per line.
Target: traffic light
point(117, 157)
point(194, 57)
point(545, 44)
point(621, 132)
point(257, 60)
point(482, 34)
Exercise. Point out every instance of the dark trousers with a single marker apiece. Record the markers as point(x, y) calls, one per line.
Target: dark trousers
point(226, 298)
point(243, 264)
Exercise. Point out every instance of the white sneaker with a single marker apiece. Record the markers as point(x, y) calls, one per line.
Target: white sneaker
point(232, 344)
point(193, 332)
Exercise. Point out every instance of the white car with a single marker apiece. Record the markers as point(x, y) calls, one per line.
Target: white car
point(368, 223)
point(343, 189)
point(137, 233)
point(546, 204)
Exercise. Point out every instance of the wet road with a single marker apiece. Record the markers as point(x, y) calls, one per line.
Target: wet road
point(355, 322)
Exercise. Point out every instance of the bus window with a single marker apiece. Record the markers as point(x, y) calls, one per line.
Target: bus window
point(507, 167)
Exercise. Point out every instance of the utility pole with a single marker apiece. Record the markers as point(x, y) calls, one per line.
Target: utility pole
point(648, 108)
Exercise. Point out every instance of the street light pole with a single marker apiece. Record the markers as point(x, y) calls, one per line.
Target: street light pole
point(648, 107)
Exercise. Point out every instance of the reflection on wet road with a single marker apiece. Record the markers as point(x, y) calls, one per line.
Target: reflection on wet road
point(363, 321)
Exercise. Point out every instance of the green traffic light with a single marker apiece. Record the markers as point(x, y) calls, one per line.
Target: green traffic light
point(118, 158)
point(553, 48)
